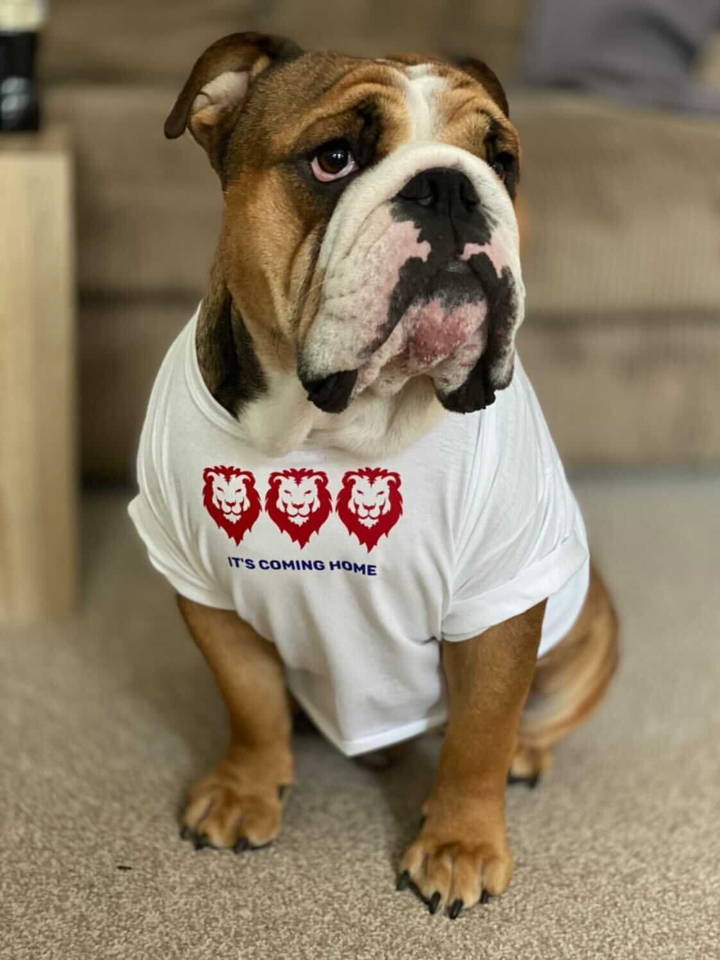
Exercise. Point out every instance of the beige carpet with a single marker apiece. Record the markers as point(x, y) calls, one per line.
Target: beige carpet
point(106, 718)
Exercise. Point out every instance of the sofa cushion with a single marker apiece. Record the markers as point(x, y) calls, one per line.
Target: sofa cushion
point(121, 344)
point(138, 42)
point(623, 207)
point(148, 208)
point(636, 389)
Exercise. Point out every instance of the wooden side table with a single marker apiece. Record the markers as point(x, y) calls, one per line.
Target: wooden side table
point(38, 478)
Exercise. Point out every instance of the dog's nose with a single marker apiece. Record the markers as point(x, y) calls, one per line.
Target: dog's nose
point(331, 394)
point(440, 190)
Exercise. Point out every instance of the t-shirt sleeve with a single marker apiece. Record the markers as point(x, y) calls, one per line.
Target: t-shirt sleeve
point(521, 536)
point(163, 525)
point(170, 559)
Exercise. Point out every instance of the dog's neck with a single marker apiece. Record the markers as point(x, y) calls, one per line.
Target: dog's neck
point(272, 406)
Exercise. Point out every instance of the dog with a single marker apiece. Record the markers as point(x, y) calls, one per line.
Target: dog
point(344, 472)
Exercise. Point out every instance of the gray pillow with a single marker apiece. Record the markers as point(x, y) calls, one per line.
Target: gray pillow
point(642, 51)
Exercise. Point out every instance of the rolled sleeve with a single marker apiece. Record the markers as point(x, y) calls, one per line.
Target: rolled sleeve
point(472, 614)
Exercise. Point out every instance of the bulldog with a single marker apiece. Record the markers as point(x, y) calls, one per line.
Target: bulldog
point(344, 472)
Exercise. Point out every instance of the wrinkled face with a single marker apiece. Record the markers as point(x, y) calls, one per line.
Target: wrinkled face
point(229, 495)
point(384, 241)
point(298, 498)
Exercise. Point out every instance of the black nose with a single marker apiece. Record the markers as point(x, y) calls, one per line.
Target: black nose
point(331, 394)
point(441, 190)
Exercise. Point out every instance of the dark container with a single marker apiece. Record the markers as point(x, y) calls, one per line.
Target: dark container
point(19, 108)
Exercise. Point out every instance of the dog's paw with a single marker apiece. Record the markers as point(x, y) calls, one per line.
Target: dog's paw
point(529, 765)
point(223, 812)
point(452, 867)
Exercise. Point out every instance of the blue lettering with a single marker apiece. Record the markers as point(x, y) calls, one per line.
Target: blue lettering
point(364, 569)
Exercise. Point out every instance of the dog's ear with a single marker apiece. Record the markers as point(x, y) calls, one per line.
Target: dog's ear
point(488, 78)
point(219, 82)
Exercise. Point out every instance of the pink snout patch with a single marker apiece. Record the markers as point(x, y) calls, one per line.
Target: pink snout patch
point(434, 339)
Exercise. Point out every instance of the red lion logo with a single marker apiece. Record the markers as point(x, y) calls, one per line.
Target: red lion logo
point(298, 502)
point(231, 499)
point(369, 503)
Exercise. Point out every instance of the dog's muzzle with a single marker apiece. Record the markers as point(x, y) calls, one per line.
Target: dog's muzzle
point(424, 288)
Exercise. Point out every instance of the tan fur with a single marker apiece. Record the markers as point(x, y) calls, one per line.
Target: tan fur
point(240, 801)
point(462, 847)
point(570, 681)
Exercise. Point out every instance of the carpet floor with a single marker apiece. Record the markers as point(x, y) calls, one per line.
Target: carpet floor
point(107, 717)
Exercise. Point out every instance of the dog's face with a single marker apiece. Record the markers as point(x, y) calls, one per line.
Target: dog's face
point(368, 233)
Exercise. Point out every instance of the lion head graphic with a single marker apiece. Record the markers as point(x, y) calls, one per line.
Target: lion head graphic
point(231, 499)
point(298, 502)
point(369, 503)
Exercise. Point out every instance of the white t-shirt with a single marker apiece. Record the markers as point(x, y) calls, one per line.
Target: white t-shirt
point(355, 569)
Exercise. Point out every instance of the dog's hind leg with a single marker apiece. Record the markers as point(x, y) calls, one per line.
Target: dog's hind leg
point(569, 682)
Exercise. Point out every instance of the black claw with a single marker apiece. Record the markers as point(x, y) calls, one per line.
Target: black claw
point(258, 846)
point(530, 782)
point(201, 842)
point(434, 902)
point(185, 833)
point(242, 845)
point(303, 724)
point(485, 897)
point(455, 909)
point(403, 881)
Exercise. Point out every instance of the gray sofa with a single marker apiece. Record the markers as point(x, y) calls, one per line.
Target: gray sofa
point(622, 206)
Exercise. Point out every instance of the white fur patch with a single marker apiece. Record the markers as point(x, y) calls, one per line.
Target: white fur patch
point(423, 89)
point(373, 426)
point(280, 420)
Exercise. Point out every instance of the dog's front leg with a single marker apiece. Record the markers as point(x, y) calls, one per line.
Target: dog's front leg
point(461, 854)
point(239, 804)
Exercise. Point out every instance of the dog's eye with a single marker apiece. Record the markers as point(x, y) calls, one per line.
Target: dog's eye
point(503, 164)
point(332, 161)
